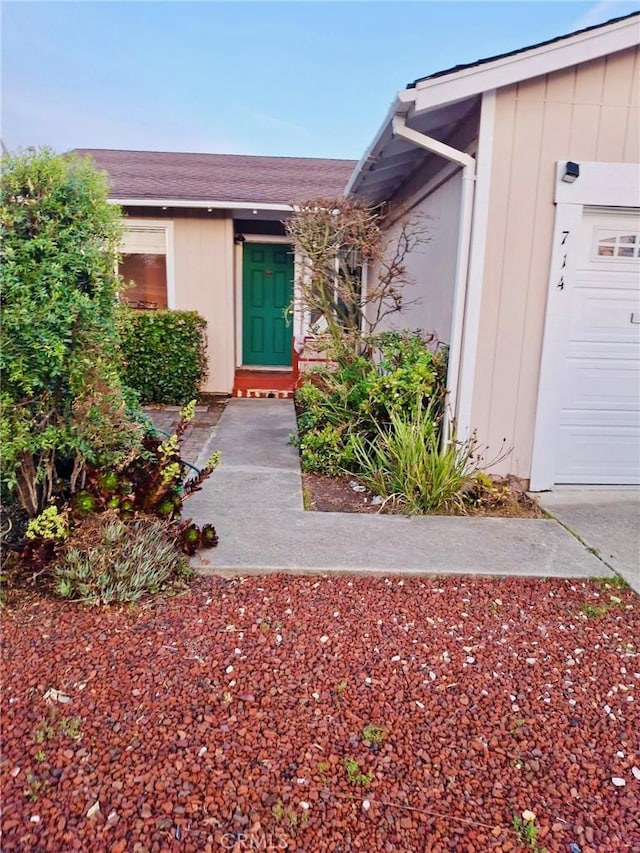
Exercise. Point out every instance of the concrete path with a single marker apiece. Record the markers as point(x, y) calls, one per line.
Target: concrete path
point(255, 501)
point(606, 519)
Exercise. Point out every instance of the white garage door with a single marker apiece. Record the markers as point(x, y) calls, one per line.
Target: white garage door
point(599, 439)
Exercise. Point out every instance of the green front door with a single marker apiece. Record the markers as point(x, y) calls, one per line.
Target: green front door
point(267, 290)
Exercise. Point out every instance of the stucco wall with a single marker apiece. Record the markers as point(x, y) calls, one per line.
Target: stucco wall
point(430, 268)
point(203, 256)
point(589, 112)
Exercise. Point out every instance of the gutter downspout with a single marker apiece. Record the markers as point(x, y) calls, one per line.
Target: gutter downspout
point(468, 164)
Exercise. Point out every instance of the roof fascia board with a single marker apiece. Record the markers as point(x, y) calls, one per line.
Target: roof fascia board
point(213, 205)
point(372, 152)
point(536, 62)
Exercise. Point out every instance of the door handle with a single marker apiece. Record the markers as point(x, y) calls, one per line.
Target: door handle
point(633, 320)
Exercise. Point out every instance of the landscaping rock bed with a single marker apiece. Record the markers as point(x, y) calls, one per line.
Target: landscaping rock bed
point(325, 714)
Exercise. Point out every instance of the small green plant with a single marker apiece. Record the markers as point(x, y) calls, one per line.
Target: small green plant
point(45, 731)
point(288, 816)
point(278, 811)
point(323, 768)
point(40, 755)
point(34, 787)
point(615, 581)
point(70, 727)
point(355, 774)
point(527, 831)
point(50, 524)
point(594, 611)
point(342, 686)
point(518, 723)
point(372, 733)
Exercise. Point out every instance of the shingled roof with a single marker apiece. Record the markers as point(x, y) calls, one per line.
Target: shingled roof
point(165, 175)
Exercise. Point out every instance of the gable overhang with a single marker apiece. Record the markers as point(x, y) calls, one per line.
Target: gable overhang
point(434, 105)
point(394, 156)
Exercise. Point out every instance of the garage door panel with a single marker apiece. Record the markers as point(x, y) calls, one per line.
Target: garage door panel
point(601, 384)
point(604, 314)
point(599, 454)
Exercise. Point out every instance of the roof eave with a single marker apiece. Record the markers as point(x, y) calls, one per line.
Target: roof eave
point(469, 82)
point(400, 106)
point(199, 203)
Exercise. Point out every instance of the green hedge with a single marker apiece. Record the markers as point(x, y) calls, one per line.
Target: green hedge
point(164, 354)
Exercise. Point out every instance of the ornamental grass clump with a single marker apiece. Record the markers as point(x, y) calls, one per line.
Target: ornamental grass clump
point(108, 560)
point(406, 463)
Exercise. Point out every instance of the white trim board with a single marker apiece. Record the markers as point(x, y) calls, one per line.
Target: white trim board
point(212, 205)
point(527, 63)
point(607, 185)
point(475, 277)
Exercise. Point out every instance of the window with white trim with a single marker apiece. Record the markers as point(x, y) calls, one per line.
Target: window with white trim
point(616, 244)
point(144, 266)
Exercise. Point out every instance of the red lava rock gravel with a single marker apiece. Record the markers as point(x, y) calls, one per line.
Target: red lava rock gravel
point(223, 718)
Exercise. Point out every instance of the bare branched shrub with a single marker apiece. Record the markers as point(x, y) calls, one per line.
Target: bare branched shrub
point(334, 240)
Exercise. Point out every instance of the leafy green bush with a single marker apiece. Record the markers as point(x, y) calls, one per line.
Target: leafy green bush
point(108, 560)
point(164, 354)
point(327, 450)
point(335, 406)
point(63, 406)
point(406, 462)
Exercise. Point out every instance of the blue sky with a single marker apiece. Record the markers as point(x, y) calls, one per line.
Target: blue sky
point(288, 78)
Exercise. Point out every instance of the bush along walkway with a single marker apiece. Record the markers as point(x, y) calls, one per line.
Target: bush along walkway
point(256, 498)
point(326, 714)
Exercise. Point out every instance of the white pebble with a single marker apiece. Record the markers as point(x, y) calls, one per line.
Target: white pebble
point(324, 639)
point(35, 818)
point(304, 805)
point(395, 658)
point(618, 781)
point(366, 805)
point(202, 751)
point(620, 754)
point(229, 670)
point(636, 772)
point(419, 704)
point(531, 661)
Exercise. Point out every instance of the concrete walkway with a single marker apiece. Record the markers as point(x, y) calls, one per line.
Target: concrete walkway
point(255, 501)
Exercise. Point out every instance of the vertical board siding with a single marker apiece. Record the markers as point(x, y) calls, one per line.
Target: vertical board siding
point(430, 267)
point(588, 112)
point(204, 283)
